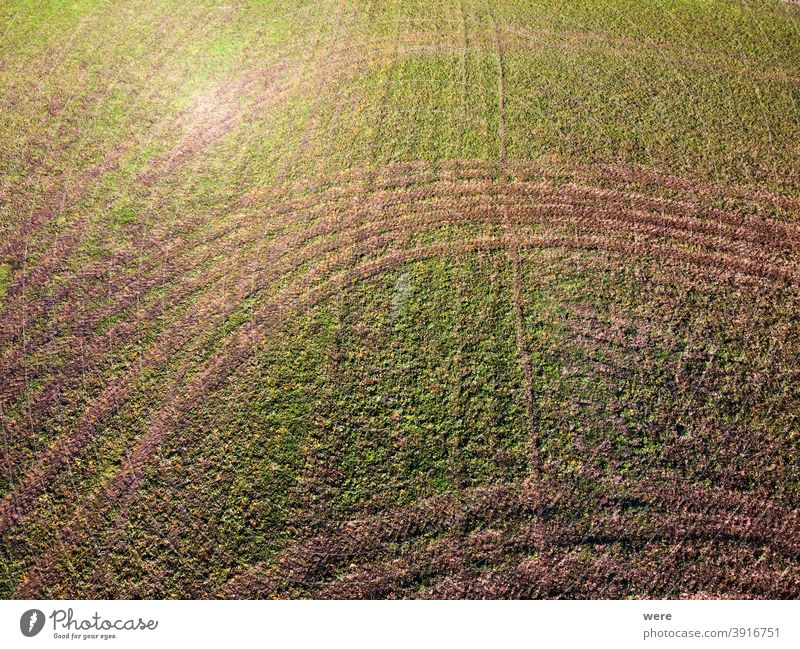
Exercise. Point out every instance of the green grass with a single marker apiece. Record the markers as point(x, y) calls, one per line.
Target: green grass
point(155, 156)
point(5, 271)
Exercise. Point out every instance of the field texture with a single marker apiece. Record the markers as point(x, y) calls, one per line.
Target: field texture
point(402, 298)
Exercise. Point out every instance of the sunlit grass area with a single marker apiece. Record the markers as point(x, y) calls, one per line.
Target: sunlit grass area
point(399, 299)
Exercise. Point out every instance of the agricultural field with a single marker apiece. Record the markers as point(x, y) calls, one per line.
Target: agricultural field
point(399, 299)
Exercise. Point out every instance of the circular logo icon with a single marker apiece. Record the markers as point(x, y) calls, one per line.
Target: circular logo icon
point(31, 622)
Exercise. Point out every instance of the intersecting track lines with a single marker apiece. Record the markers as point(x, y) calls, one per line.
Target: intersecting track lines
point(367, 225)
